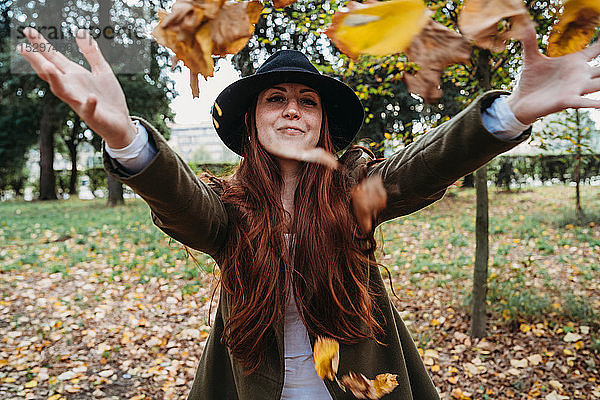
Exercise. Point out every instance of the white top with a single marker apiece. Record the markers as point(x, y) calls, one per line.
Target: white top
point(301, 381)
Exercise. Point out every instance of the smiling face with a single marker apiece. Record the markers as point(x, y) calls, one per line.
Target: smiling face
point(288, 116)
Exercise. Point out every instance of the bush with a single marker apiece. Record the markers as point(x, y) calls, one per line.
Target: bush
point(518, 170)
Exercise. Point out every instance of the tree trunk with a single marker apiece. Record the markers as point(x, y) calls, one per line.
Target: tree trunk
point(578, 210)
point(478, 295)
point(72, 147)
point(115, 192)
point(480, 272)
point(46, 143)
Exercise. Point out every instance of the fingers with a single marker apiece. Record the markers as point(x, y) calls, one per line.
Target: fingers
point(593, 86)
point(529, 41)
point(593, 51)
point(584, 102)
point(44, 68)
point(49, 52)
point(90, 50)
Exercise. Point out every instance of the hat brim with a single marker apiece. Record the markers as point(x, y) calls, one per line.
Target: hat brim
point(344, 110)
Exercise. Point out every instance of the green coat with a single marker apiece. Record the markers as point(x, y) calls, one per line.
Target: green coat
point(192, 213)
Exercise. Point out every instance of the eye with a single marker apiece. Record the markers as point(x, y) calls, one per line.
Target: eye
point(308, 101)
point(275, 98)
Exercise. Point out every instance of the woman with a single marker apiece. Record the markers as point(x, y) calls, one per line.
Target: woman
point(294, 262)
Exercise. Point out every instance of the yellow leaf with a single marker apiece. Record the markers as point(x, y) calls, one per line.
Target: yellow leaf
point(435, 368)
point(31, 384)
point(327, 357)
point(579, 345)
point(575, 28)
point(384, 384)
point(54, 397)
point(525, 328)
point(377, 28)
point(491, 23)
point(9, 380)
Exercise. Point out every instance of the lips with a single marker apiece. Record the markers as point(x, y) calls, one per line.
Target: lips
point(291, 130)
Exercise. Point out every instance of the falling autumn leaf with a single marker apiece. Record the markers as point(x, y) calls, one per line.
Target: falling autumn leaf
point(360, 386)
point(282, 3)
point(575, 28)
point(491, 23)
point(368, 198)
point(197, 30)
point(434, 49)
point(377, 27)
point(317, 155)
point(326, 353)
point(233, 26)
point(384, 384)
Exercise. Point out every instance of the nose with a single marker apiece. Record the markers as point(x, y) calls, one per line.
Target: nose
point(291, 110)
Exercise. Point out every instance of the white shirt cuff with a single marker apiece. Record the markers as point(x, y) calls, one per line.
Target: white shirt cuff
point(137, 155)
point(501, 121)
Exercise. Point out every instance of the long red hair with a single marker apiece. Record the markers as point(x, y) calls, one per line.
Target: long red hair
point(329, 262)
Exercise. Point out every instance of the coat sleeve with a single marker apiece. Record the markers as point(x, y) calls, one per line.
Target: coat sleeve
point(182, 206)
point(419, 174)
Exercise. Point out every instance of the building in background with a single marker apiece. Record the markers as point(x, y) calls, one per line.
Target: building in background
point(200, 143)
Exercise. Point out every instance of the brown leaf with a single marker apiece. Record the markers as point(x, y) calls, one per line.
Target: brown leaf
point(233, 26)
point(491, 23)
point(195, 30)
point(282, 3)
point(575, 28)
point(368, 198)
point(360, 386)
point(326, 353)
point(435, 48)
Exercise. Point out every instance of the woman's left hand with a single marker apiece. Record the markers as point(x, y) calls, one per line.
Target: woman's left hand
point(548, 85)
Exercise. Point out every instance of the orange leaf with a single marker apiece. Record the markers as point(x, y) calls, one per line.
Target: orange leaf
point(575, 28)
point(491, 23)
point(435, 48)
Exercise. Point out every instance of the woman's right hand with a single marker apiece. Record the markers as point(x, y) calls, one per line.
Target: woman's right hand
point(96, 95)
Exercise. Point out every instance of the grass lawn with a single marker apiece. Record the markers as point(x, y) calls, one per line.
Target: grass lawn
point(98, 303)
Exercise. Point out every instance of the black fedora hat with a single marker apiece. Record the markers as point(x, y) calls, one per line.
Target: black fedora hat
point(344, 110)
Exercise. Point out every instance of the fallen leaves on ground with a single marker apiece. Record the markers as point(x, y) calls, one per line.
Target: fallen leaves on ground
point(491, 23)
point(434, 49)
point(117, 310)
point(575, 28)
point(377, 28)
point(197, 29)
point(368, 198)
